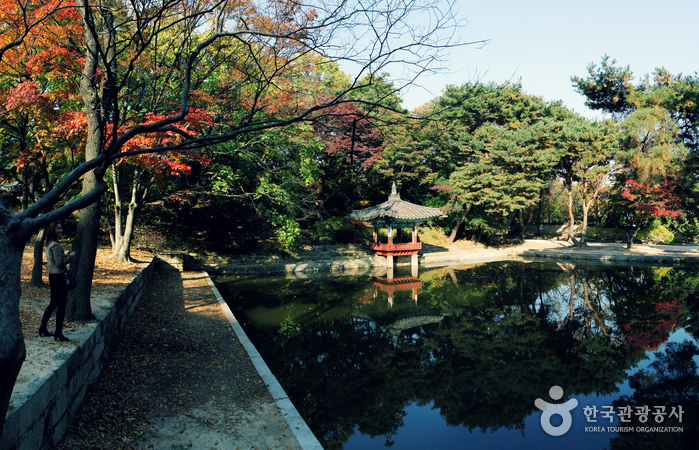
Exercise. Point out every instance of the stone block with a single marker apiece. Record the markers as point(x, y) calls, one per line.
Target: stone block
point(86, 337)
point(32, 437)
point(60, 428)
point(16, 425)
point(78, 399)
point(122, 300)
point(61, 378)
point(33, 399)
point(95, 372)
point(109, 323)
point(11, 432)
point(97, 353)
point(85, 351)
point(72, 362)
point(98, 333)
point(45, 394)
point(64, 397)
point(79, 380)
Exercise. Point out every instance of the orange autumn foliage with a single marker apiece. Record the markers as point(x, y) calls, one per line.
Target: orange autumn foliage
point(37, 75)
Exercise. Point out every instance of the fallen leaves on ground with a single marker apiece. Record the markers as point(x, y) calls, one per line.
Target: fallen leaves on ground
point(110, 276)
point(177, 354)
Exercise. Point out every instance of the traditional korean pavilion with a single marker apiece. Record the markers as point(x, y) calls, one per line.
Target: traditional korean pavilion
point(395, 214)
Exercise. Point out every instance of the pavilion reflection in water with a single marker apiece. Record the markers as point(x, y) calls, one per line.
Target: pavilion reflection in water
point(391, 285)
point(411, 319)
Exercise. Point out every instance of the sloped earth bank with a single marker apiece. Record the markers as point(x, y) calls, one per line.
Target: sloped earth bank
point(179, 379)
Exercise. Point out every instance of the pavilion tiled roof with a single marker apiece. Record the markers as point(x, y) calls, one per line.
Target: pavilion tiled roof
point(395, 210)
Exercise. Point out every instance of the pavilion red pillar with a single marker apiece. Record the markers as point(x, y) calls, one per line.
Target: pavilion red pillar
point(414, 258)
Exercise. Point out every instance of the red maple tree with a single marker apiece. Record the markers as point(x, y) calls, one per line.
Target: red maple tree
point(643, 202)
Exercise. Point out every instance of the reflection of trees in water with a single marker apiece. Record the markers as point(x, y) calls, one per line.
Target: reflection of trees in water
point(670, 381)
point(514, 331)
point(590, 310)
point(634, 306)
point(495, 361)
point(648, 303)
point(486, 368)
point(688, 282)
point(340, 375)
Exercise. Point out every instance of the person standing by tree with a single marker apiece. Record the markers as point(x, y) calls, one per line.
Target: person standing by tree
point(57, 260)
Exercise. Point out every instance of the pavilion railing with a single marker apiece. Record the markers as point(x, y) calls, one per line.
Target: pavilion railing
point(385, 247)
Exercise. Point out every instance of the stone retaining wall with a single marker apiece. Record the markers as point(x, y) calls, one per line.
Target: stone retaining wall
point(41, 409)
point(329, 259)
point(551, 229)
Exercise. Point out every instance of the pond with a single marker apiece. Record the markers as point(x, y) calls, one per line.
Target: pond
point(467, 356)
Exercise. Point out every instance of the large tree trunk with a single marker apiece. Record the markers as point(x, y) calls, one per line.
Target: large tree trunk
point(85, 243)
point(583, 231)
point(525, 225)
point(123, 237)
point(121, 251)
point(38, 268)
point(117, 185)
point(12, 349)
point(25, 186)
point(455, 231)
point(571, 226)
point(586, 205)
point(83, 265)
point(97, 108)
point(630, 236)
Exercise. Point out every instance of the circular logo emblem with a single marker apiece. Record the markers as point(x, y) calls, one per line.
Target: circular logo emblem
point(551, 409)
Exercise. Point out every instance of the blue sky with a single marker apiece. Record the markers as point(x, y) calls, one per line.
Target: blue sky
point(545, 42)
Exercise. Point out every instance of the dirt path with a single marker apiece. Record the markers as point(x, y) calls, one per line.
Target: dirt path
point(179, 379)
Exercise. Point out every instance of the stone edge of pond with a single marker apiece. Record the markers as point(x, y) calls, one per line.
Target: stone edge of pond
point(601, 253)
point(297, 424)
point(362, 263)
point(615, 254)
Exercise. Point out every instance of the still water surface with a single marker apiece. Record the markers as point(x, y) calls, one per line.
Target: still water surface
point(456, 357)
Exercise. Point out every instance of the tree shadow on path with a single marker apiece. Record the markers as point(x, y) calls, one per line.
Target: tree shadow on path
point(178, 357)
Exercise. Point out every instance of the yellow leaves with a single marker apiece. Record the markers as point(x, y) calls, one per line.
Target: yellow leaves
point(662, 272)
